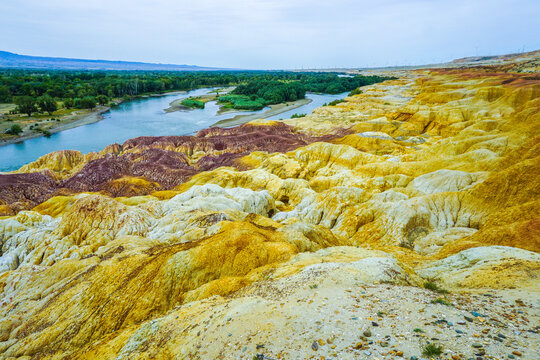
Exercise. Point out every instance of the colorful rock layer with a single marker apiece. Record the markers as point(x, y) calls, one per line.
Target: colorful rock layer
point(208, 246)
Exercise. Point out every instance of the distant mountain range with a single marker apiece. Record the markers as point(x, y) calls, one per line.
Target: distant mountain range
point(11, 60)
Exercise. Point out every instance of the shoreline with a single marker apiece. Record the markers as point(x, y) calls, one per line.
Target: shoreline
point(78, 120)
point(86, 118)
point(96, 115)
point(275, 109)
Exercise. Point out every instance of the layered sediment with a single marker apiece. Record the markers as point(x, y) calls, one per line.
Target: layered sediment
point(305, 238)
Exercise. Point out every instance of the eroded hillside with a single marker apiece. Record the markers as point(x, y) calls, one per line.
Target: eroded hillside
point(308, 238)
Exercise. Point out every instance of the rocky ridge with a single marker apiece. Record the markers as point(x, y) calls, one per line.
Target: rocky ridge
point(308, 238)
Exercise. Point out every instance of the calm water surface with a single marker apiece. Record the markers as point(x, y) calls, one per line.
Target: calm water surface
point(317, 100)
point(141, 117)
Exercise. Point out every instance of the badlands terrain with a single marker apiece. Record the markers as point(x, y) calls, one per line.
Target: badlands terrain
point(401, 223)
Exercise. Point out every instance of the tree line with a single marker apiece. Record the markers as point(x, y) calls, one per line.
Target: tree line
point(258, 93)
point(34, 90)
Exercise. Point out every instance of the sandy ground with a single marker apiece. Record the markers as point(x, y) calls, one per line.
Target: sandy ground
point(357, 321)
point(274, 110)
point(78, 118)
point(70, 121)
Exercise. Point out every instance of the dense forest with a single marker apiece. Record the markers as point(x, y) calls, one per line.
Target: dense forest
point(258, 93)
point(41, 90)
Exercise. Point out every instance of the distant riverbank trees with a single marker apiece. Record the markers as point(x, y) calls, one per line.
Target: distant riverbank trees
point(86, 89)
point(258, 93)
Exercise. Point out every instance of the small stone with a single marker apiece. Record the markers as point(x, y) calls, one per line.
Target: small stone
point(510, 356)
point(476, 345)
point(515, 352)
point(469, 319)
point(367, 333)
point(399, 353)
point(367, 352)
point(413, 358)
point(455, 357)
point(374, 323)
point(315, 346)
point(459, 331)
point(384, 344)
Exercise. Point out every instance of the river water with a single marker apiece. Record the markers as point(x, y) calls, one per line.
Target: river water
point(140, 117)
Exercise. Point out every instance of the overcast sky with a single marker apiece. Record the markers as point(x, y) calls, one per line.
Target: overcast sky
point(270, 34)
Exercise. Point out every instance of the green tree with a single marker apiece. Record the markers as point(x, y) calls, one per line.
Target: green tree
point(68, 103)
point(26, 105)
point(87, 102)
point(5, 95)
point(102, 99)
point(47, 103)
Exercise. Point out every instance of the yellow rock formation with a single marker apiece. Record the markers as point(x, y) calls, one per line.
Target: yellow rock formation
point(437, 180)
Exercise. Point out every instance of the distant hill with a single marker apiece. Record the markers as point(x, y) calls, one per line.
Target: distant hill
point(11, 60)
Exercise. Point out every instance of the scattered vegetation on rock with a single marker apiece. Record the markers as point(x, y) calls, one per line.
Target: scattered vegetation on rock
point(191, 245)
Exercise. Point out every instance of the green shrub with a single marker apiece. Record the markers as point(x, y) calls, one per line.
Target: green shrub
point(192, 103)
point(442, 301)
point(15, 129)
point(356, 91)
point(432, 350)
point(335, 102)
point(296, 116)
point(434, 287)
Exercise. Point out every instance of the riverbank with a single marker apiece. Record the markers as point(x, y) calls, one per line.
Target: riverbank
point(273, 111)
point(68, 121)
point(75, 119)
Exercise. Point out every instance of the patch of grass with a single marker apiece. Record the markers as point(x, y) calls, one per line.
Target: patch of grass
point(356, 91)
point(442, 301)
point(434, 287)
point(296, 116)
point(432, 350)
point(192, 103)
point(242, 102)
point(335, 102)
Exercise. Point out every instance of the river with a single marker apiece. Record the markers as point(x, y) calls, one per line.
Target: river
point(140, 117)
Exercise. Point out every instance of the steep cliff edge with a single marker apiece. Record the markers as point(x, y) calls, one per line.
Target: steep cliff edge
point(308, 238)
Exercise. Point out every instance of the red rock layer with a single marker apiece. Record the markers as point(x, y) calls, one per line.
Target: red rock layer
point(160, 163)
